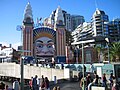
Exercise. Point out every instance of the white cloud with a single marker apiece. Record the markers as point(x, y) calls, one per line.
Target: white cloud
point(14, 45)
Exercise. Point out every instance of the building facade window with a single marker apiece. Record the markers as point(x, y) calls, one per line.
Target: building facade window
point(88, 56)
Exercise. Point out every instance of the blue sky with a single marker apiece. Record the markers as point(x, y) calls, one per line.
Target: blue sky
point(12, 11)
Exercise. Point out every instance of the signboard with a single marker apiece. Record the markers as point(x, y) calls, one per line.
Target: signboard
point(97, 88)
point(61, 59)
point(99, 71)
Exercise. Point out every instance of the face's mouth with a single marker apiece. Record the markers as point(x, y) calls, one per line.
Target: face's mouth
point(45, 53)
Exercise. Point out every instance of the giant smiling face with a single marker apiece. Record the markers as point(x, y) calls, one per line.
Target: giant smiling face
point(44, 46)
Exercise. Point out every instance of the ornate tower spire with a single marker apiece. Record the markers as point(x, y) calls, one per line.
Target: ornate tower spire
point(59, 19)
point(28, 12)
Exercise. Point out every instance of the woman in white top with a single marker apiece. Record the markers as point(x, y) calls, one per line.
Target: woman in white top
point(16, 85)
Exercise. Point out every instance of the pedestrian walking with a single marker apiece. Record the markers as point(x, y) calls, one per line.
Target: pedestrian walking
point(16, 85)
point(62, 65)
point(2, 86)
point(47, 87)
point(80, 76)
point(38, 83)
point(92, 69)
point(96, 79)
point(30, 83)
point(88, 81)
point(90, 85)
point(7, 88)
point(82, 84)
point(34, 83)
point(114, 87)
point(84, 68)
point(104, 81)
point(111, 79)
point(42, 83)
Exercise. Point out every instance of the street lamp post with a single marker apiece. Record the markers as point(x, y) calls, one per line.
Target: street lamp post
point(83, 66)
point(20, 28)
point(108, 53)
point(22, 69)
point(22, 73)
point(107, 40)
point(77, 55)
point(83, 42)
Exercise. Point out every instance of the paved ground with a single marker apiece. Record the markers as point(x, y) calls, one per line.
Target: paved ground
point(63, 86)
point(67, 86)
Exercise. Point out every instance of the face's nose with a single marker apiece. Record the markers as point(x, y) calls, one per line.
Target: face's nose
point(45, 49)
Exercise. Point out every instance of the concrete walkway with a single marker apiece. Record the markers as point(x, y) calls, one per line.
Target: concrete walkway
point(67, 86)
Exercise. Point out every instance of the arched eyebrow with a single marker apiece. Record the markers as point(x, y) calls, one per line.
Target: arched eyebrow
point(49, 41)
point(39, 41)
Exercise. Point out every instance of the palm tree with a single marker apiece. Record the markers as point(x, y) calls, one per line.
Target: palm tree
point(69, 38)
point(99, 50)
point(115, 51)
point(105, 55)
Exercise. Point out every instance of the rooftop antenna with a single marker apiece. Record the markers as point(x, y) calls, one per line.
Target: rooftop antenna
point(59, 3)
point(96, 5)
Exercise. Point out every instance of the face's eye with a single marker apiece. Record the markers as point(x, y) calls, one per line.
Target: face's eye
point(49, 46)
point(40, 46)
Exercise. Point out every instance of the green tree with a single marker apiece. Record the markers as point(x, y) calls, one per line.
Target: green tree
point(100, 51)
point(69, 38)
point(98, 48)
point(115, 52)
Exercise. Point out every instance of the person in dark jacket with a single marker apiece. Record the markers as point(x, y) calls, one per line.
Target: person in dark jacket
point(2, 86)
point(104, 80)
point(111, 79)
point(47, 87)
point(34, 83)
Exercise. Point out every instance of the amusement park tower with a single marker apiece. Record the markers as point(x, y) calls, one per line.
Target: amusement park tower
point(59, 26)
point(28, 31)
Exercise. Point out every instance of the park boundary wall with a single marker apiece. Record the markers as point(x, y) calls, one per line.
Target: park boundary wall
point(13, 70)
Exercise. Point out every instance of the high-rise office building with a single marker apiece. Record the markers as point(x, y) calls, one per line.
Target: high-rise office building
point(99, 20)
point(97, 29)
point(76, 20)
point(70, 21)
point(114, 30)
point(99, 26)
point(83, 31)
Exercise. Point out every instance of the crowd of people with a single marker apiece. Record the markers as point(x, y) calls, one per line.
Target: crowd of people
point(39, 83)
point(34, 83)
point(88, 81)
